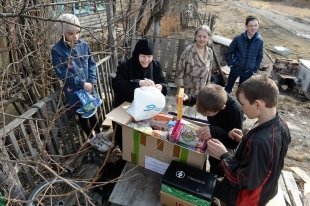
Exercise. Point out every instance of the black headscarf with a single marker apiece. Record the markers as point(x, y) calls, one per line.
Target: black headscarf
point(146, 47)
point(143, 46)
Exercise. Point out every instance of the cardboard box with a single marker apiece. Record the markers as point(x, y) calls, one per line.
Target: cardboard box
point(170, 200)
point(188, 183)
point(148, 151)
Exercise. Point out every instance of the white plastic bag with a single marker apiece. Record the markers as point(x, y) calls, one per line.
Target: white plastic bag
point(148, 101)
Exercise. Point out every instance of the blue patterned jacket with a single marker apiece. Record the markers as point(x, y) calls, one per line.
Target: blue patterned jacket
point(73, 66)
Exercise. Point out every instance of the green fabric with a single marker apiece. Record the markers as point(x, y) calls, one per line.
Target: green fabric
point(1, 200)
point(184, 155)
point(184, 196)
point(136, 144)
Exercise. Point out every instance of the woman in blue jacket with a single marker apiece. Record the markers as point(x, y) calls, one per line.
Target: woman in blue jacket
point(245, 53)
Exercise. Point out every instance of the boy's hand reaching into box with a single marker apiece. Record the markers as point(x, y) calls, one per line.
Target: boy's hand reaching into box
point(204, 133)
point(215, 148)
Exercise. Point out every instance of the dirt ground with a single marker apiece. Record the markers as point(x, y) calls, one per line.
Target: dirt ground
point(294, 108)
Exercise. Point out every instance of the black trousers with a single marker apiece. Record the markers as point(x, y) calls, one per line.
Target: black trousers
point(118, 135)
point(89, 124)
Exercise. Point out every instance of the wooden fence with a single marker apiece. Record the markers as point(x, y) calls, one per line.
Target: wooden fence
point(47, 133)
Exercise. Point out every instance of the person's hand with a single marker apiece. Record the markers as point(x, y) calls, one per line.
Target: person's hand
point(215, 148)
point(159, 87)
point(204, 133)
point(88, 86)
point(185, 97)
point(146, 83)
point(235, 134)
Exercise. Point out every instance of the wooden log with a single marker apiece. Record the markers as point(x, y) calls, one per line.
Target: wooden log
point(292, 188)
point(285, 193)
point(301, 173)
point(278, 200)
point(171, 58)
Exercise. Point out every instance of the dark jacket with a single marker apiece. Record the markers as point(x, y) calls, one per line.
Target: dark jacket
point(127, 79)
point(73, 66)
point(252, 173)
point(245, 54)
point(220, 124)
point(225, 120)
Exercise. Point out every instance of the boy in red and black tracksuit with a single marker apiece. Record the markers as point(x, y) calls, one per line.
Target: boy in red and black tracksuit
point(252, 172)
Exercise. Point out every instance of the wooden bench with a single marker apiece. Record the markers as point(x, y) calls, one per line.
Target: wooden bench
point(136, 186)
point(140, 186)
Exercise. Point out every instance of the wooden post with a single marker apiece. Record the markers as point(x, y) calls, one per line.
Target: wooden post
point(112, 35)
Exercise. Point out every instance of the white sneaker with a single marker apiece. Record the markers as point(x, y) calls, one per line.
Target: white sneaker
point(100, 142)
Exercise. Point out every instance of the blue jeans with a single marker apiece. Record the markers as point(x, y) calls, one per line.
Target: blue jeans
point(233, 75)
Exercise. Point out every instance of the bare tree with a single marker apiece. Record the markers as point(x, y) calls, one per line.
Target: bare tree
point(140, 15)
point(160, 8)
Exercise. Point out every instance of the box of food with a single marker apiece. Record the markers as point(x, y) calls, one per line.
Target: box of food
point(149, 151)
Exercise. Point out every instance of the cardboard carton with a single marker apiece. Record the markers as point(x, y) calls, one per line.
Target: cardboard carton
point(184, 185)
point(187, 182)
point(148, 151)
point(170, 200)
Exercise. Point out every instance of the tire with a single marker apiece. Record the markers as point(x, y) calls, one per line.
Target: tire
point(56, 192)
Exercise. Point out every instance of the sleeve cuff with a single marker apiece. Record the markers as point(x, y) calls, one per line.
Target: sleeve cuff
point(223, 156)
point(82, 84)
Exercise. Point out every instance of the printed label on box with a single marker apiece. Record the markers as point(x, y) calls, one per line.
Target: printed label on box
point(155, 165)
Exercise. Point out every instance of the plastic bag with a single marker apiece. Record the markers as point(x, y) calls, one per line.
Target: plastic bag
point(148, 101)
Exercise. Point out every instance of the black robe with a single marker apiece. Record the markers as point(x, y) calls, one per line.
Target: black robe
point(128, 76)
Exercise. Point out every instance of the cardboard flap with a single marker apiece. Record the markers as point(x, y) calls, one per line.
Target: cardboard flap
point(119, 114)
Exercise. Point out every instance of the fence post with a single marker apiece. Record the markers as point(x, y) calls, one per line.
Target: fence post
point(112, 35)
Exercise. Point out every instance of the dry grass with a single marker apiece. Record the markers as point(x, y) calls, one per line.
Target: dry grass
point(297, 8)
point(169, 24)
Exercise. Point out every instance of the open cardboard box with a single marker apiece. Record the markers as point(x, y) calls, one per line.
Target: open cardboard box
point(170, 200)
point(148, 151)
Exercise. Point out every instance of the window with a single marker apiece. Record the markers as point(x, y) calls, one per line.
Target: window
point(100, 5)
point(81, 8)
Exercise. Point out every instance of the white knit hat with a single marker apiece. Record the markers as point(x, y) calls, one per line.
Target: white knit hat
point(64, 27)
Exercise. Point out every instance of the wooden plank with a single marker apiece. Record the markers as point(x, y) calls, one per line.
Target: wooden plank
point(20, 156)
point(34, 131)
point(278, 200)
point(136, 186)
point(171, 57)
point(157, 48)
point(60, 128)
point(301, 173)
point(292, 188)
point(306, 188)
point(107, 123)
point(285, 193)
point(28, 143)
point(3, 150)
point(163, 52)
point(181, 48)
